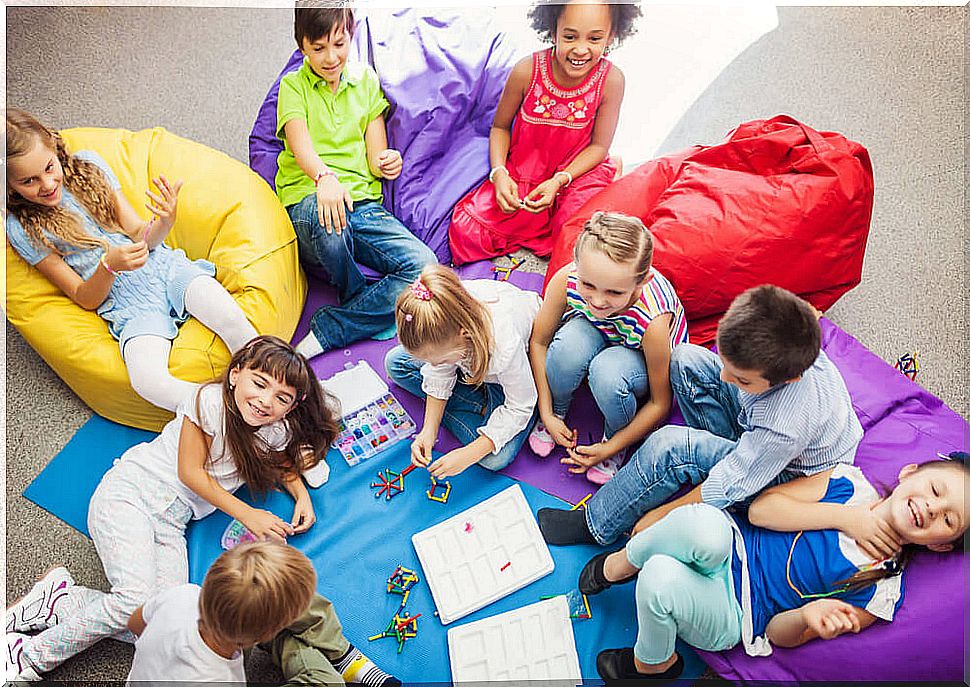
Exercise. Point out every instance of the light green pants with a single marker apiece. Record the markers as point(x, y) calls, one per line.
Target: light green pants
point(305, 649)
point(684, 585)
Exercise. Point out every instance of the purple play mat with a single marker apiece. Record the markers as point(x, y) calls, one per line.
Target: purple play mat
point(443, 75)
point(903, 424)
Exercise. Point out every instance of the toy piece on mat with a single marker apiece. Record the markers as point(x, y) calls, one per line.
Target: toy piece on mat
point(235, 534)
point(403, 626)
point(506, 271)
point(505, 530)
point(582, 502)
point(433, 491)
point(532, 643)
point(578, 604)
point(908, 365)
point(390, 482)
point(373, 419)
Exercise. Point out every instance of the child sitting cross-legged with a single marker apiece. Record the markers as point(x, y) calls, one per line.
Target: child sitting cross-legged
point(258, 592)
point(788, 573)
point(464, 348)
point(612, 318)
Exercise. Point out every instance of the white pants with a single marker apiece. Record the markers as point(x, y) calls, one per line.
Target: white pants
point(146, 357)
point(138, 527)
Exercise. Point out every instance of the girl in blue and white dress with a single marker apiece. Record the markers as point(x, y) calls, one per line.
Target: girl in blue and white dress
point(66, 216)
point(815, 557)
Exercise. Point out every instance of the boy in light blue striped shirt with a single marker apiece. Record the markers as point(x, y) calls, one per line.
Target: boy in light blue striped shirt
point(768, 407)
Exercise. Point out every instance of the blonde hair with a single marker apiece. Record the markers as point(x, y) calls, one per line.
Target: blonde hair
point(621, 238)
point(440, 319)
point(255, 590)
point(82, 178)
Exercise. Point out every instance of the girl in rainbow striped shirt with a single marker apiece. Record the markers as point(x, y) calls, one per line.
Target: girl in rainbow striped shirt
point(611, 317)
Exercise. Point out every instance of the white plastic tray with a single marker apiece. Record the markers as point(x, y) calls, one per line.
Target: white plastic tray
point(482, 554)
point(530, 643)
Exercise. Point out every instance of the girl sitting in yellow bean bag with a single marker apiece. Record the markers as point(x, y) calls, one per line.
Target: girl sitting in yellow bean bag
point(226, 220)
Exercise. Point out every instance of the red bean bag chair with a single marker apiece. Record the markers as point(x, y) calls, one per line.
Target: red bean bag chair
point(777, 202)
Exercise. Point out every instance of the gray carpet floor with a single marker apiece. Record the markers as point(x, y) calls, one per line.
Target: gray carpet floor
point(892, 78)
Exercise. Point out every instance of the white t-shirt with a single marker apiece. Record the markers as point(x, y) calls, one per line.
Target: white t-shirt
point(159, 457)
point(171, 648)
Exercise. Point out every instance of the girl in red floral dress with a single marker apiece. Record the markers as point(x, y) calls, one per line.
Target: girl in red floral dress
point(565, 102)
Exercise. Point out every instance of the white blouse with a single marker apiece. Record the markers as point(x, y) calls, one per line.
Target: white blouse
point(513, 312)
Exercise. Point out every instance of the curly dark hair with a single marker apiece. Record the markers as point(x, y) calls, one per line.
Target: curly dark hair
point(545, 14)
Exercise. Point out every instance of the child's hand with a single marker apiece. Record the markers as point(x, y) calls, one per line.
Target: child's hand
point(506, 192)
point(266, 525)
point(390, 163)
point(452, 463)
point(560, 433)
point(584, 457)
point(421, 449)
point(875, 536)
point(332, 198)
point(164, 203)
point(126, 257)
point(303, 515)
point(829, 618)
point(542, 196)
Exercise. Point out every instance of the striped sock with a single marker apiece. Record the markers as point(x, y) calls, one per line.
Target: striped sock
point(354, 667)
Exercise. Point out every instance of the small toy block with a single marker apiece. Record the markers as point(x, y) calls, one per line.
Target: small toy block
point(582, 502)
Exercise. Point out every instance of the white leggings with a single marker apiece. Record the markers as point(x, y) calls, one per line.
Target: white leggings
point(146, 357)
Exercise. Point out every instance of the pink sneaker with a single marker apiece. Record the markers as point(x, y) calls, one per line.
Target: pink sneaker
point(601, 473)
point(540, 441)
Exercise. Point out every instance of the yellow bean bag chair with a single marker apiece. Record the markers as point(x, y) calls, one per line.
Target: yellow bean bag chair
point(226, 214)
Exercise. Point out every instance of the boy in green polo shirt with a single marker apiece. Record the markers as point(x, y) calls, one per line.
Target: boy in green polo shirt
point(330, 116)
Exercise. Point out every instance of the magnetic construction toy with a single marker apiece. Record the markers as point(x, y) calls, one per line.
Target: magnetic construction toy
point(391, 486)
point(506, 271)
point(432, 492)
point(403, 625)
point(908, 364)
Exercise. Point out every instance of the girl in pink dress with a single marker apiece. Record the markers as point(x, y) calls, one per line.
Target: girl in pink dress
point(565, 101)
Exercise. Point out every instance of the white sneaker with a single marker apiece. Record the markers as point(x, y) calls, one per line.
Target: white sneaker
point(16, 667)
point(45, 605)
point(317, 475)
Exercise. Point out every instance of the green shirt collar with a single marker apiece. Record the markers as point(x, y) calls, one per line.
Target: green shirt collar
point(352, 74)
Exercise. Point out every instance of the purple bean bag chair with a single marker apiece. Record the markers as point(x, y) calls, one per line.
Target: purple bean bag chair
point(443, 76)
point(903, 424)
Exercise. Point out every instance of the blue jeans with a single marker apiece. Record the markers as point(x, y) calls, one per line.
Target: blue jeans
point(684, 587)
point(468, 408)
point(617, 375)
point(375, 238)
point(672, 456)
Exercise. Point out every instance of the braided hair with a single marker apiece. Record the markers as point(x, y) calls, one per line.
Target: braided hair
point(623, 239)
point(82, 178)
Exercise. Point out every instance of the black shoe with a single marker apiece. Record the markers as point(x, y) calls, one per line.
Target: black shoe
point(592, 578)
point(617, 664)
point(564, 526)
